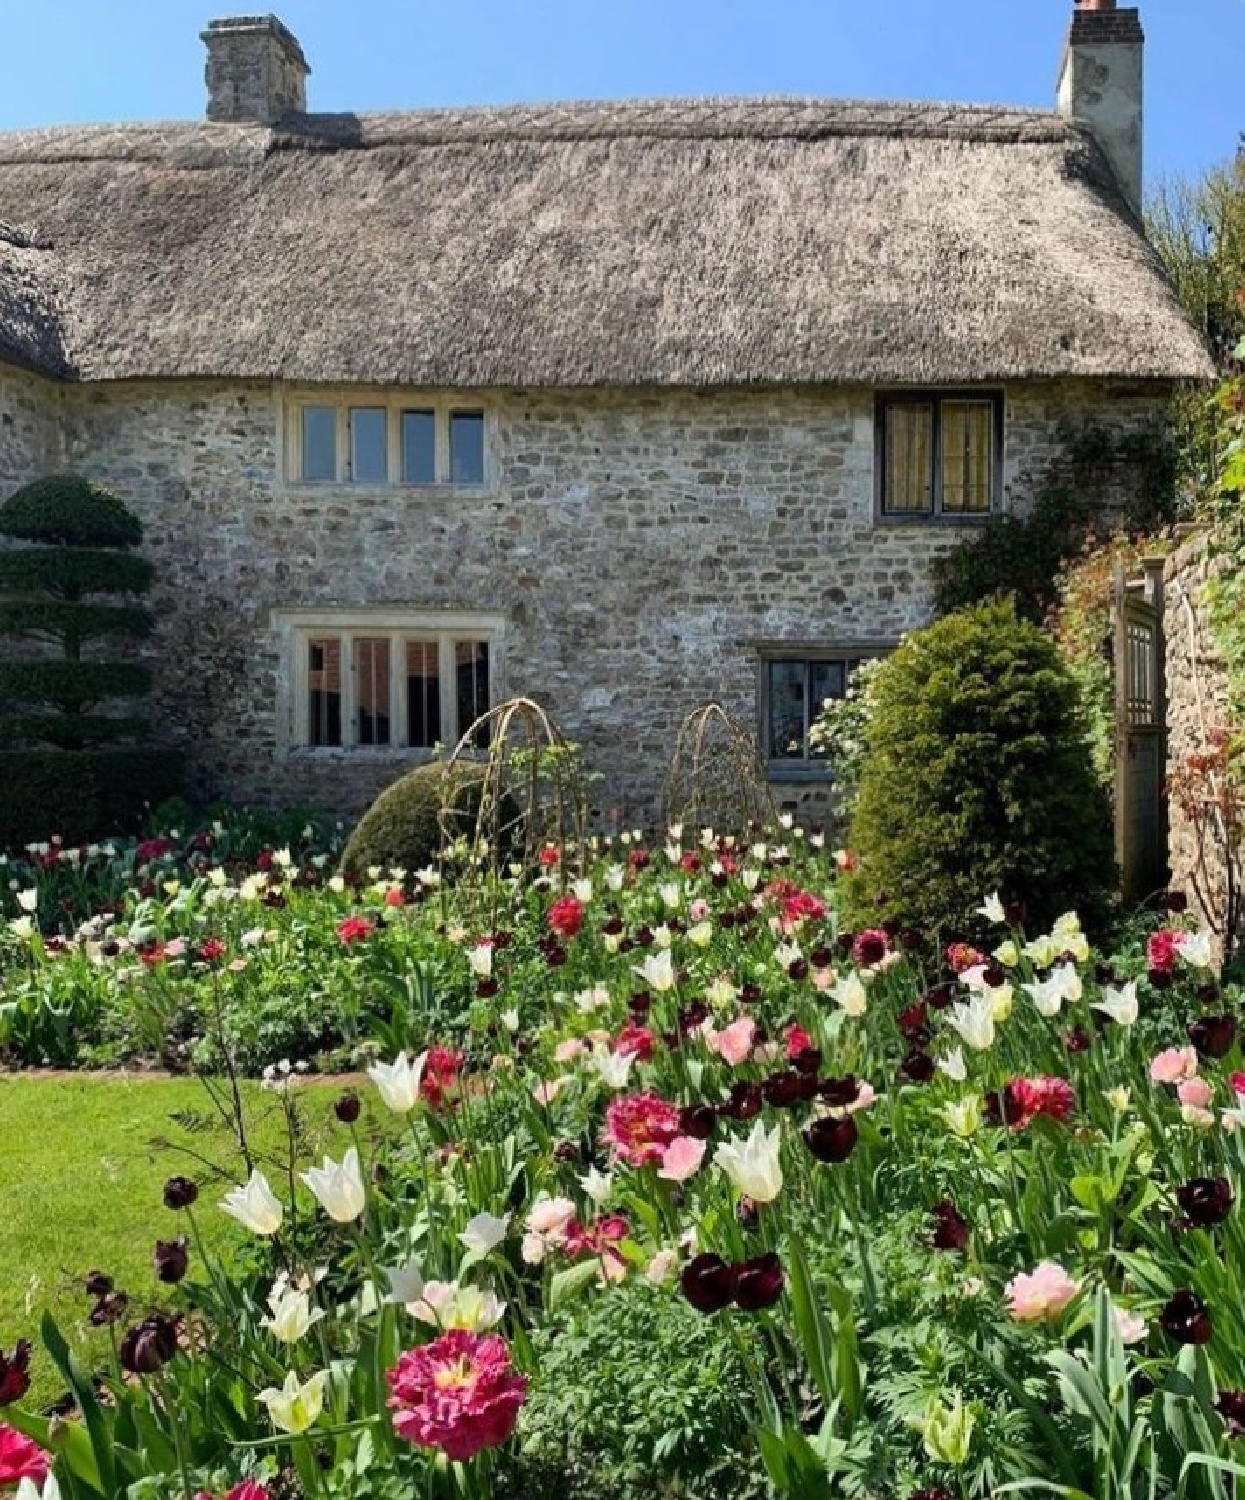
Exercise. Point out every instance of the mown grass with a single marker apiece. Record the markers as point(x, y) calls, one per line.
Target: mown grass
point(82, 1170)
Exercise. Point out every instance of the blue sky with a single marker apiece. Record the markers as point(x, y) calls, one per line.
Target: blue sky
point(69, 60)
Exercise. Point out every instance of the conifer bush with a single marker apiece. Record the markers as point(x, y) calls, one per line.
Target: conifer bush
point(71, 590)
point(402, 828)
point(978, 778)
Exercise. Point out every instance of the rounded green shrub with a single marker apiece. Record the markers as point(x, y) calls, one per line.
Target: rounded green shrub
point(402, 828)
point(67, 510)
point(978, 778)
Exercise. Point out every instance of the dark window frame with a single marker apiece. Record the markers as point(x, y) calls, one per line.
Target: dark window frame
point(850, 653)
point(937, 398)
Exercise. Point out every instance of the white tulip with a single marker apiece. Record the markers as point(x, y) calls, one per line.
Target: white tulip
point(485, 1232)
point(28, 900)
point(406, 1283)
point(597, 1185)
point(255, 1206)
point(1120, 1004)
point(992, 909)
point(953, 1065)
point(754, 1165)
point(398, 1082)
point(614, 1067)
point(974, 1022)
point(850, 995)
point(445, 1304)
point(480, 959)
point(291, 1313)
point(657, 971)
point(339, 1187)
point(27, 1489)
point(1193, 947)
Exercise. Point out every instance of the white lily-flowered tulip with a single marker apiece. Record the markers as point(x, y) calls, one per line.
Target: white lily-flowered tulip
point(1120, 1004)
point(255, 1206)
point(850, 995)
point(485, 1232)
point(27, 1489)
point(953, 1065)
point(297, 1405)
point(445, 1304)
point(597, 1185)
point(754, 1165)
point(28, 900)
point(290, 1312)
point(992, 909)
point(1195, 949)
point(614, 1068)
point(1063, 983)
point(657, 971)
point(338, 1187)
point(406, 1283)
point(398, 1082)
point(974, 1022)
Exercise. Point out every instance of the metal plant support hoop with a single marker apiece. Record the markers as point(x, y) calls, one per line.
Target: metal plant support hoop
point(717, 776)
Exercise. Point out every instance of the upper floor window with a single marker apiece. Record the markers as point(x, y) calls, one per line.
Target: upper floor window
point(367, 681)
point(939, 455)
point(384, 440)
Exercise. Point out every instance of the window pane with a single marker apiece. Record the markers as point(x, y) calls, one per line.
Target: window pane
point(369, 444)
point(319, 442)
point(967, 456)
point(324, 691)
point(471, 664)
point(371, 691)
point(467, 447)
point(419, 447)
point(423, 695)
point(908, 480)
point(787, 704)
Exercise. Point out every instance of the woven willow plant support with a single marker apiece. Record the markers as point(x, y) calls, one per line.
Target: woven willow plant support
point(717, 776)
point(530, 799)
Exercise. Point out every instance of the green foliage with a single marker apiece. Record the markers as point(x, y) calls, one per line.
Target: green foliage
point(402, 828)
point(69, 623)
point(69, 511)
point(1225, 515)
point(72, 684)
point(81, 794)
point(640, 1397)
point(978, 778)
point(68, 731)
point(1020, 556)
point(73, 572)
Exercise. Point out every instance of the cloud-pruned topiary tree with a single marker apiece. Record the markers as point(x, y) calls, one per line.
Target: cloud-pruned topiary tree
point(72, 583)
point(978, 778)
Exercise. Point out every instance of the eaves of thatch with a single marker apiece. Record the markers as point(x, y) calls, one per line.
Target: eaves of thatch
point(710, 243)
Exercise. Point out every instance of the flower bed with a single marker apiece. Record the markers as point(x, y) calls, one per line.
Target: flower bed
point(664, 1186)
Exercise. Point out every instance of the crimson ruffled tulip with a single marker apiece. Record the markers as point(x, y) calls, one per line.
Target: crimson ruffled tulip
point(15, 1372)
point(1205, 1200)
point(1187, 1319)
point(708, 1283)
point(758, 1282)
point(832, 1138)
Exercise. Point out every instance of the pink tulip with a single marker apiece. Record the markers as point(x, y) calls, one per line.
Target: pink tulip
point(1195, 1092)
point(682, 1159)
point(1043, 1293)
point(1174, 1064)
point(734, 1044)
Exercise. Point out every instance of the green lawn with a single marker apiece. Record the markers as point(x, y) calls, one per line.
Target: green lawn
point(80, 1189)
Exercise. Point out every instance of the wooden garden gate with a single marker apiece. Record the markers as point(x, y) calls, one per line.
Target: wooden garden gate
point(1140, 732)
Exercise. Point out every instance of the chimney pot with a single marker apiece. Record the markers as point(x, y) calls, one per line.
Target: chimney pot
point(256, 71)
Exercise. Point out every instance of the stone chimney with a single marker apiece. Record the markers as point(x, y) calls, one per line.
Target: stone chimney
point(256, 71)
point(1101, 85)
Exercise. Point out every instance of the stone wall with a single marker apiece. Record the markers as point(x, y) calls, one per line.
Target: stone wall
point(30, 431)
point(644, 549)
point(1197, 699)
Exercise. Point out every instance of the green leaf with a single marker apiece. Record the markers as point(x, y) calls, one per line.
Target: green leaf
point(571, 1282)
point(105, 1477)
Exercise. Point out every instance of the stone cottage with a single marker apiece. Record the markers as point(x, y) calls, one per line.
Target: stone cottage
point(623, 406)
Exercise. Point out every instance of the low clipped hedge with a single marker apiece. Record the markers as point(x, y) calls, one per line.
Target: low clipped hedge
point(73, 572)
point(402, 828)
point(82, 795)
point(72, 683)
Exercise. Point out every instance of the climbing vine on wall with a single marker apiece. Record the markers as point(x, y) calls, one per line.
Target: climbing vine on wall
point(1225, 514)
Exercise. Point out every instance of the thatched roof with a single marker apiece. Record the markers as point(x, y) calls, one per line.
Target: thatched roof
point(29, 320)
point(705, 243)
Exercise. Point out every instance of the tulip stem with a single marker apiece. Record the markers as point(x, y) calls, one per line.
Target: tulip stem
point(179, 1445)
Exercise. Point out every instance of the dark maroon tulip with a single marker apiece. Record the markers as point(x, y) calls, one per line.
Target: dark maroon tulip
point(643, 936)
point(348, 1107)
point(744, 1102)
point(1077, 1040)
point(1105, 974)
point(839, 1092)
point(171, 1260)
point(868, 949)
point(939, 996)
point(911, 939)
point(784, 1089)
point(486, 988)
point(994, 974)
point(708, 1283)
point(179, 1192)
point(693, 1015)
point(1186, 1318)
point(1015, 913)
point(1208, 993)
point(1176, 901)
point(555, 955)
point(1004, 1108)
point(932, 1492)
point(918, 1067)
point(726, 920)
point(1231, 1407)
point(15, 1372)
point(149, 1345)
point(749, 994)
point(698, 1121)
point(797, 969)
point(1205, 1200)
point(913, 1023)
point(566, 1151)
point(807, 1060)
point(1159, 979)
point(832, 1138)
point(640, 1003)
point(748, 1214)
point(951, 1230)
point(758, 1282)
point(108, 1310)
point(821, 958)
point(98, 1284)
point(1213, 1035)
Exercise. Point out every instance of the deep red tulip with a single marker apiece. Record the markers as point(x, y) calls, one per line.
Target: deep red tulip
point(832, 1138)
point(15, 1372)
point(708, 1283)
point(758, 1282)
point(1205, 1200)
point(1187, 1319)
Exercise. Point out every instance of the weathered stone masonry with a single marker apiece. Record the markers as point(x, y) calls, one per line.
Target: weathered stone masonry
point(642, 546)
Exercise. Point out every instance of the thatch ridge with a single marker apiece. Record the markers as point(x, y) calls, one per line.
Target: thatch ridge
point(666, 242)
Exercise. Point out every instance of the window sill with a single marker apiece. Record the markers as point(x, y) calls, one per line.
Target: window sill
point(936, 523)
point(785, 771)
point(361, 753)
point(341, 489)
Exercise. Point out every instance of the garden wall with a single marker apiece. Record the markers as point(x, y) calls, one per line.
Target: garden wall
point(30, 432)
point(644, 548)
point(1197, 690)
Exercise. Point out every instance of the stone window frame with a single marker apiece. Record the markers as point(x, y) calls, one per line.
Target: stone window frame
point(937, 395)
point(394, 400)
point(850, 652)
point(295, 629)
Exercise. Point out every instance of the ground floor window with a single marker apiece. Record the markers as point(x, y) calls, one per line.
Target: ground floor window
point(794, 685)
point(362, 683)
